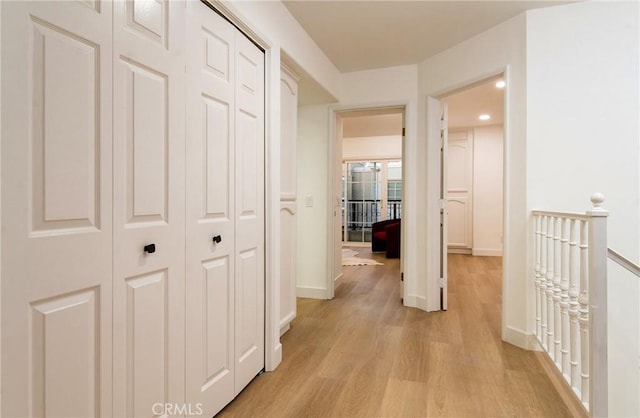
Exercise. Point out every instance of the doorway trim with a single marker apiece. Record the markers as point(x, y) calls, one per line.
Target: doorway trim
point(432, 182)
point(334, 184)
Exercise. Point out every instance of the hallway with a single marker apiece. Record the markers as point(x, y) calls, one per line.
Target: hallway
point(364, 354)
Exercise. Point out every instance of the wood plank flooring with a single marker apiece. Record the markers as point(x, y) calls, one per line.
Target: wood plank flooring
point(363, 354)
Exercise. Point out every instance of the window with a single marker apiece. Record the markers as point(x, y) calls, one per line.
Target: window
point(371, 192)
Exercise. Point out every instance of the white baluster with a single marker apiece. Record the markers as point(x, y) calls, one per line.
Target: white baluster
point(538, 280)
point(564, 302)
point(574, 292)
point(584, 314)
point(557, 319)
point(543, 281)
point(549, 287)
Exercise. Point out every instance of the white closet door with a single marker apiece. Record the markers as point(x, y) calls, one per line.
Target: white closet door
point(225, 210)
point(148, 200)
point(210, 209)
point(56, 209)
point(249, 213)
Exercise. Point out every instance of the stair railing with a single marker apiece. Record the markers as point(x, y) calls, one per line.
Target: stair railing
point(571, 299)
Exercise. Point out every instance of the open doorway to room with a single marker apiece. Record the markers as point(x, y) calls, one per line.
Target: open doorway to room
point(474, 169)
point(367, 165)
point(473, 180)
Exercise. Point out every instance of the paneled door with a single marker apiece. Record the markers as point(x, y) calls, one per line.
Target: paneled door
point(459, 190)
point(288, 195)
point(148, 202)
point(225, 210)
point(56, 209)
point(249, 211)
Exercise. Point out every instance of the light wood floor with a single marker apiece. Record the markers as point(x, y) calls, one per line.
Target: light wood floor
point(363, 354)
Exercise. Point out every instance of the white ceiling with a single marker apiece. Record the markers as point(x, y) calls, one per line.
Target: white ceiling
point(466, 106)
point(360, 35)
point(370, 34)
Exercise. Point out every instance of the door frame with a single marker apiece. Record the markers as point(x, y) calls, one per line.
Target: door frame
point(444, 214)
point(334, 183)
point(1, 212)
point(433, 160)
point(272, 345)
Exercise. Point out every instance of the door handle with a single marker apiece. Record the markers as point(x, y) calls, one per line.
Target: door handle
point(150, 248)
point(217, 239)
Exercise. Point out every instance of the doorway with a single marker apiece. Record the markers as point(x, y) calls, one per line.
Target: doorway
point(366, 174)
point(472, 179)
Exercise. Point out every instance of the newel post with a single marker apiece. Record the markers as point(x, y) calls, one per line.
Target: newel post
point(598, 397)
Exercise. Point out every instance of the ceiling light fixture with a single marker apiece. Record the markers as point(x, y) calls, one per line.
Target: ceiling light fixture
point(500, 84)
point(484, 117)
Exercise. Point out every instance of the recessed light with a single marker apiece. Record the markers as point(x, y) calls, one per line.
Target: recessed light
point(484, 117)
point(500, 84)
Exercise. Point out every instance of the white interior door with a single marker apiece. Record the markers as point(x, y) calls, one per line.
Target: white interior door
point(459, 190)
point(225, 210)
point(444, 221)
point(210, 209)
point(334, 242)
point(56, 209)
point(148, 200)
point(249, 213)
point(288, 196)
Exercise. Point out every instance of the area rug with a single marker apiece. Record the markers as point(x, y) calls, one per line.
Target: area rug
point(349, 259)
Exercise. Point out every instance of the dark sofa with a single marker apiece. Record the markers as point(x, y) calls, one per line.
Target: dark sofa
point(385, 237)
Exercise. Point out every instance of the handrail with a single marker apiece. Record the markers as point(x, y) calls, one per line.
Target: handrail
point(624, 262)
point(567, 215)
point(372, 200)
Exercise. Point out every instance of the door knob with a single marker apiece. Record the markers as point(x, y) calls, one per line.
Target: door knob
point(150, 248)
point(217, 239)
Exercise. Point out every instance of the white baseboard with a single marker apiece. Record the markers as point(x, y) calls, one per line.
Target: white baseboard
point(496, 252)
point(284, 329)
point(285, 323)
point(520, 339)
point(311, 292)
point(356, 244)
point(459, 250)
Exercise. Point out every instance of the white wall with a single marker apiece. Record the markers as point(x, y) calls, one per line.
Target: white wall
point(313, 131)
point(372, 148)
point(583, 136)
point(487, 190)
point(501, 48)
point(376, 123)
point(380, 86)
